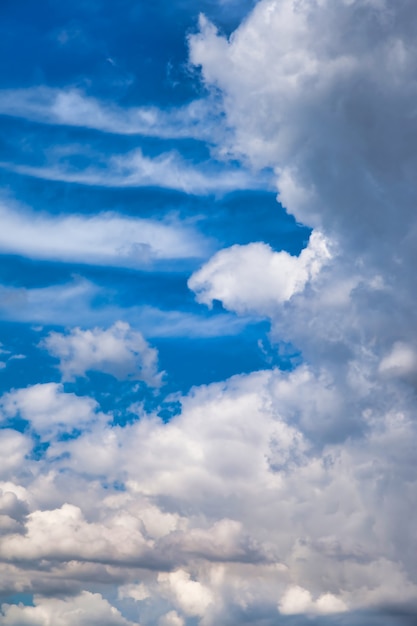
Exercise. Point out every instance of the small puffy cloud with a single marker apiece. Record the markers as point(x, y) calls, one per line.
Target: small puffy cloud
point(49, 409)
point(138, 592)
point(14, 447)
point(400, 361)
point(119, 351)
point(255, 279)
point(171, 619)
point(88, 609)
point(190, 596)
point(297, 600)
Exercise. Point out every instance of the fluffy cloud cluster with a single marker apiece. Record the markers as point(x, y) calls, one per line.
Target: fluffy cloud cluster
point(228, 510)
point(118, 351)
point(87, 608)
point(255, 279)
point(273, 495)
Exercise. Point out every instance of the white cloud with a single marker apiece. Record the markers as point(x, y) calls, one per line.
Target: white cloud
point(189, 595)
point(255, 279)
point(73, 303)
point(136, 592)
point(168, 170)
point(289, 492)
point(229, 505)
point(49, 409)
point(14, 447)
point(89, 609)
point(103, 239)
point(71, 107)
point(401, 361)
point(297, 600)
point(171, 619)
point(118, 350)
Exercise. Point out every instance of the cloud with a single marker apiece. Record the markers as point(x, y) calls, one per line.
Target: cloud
point(105, 238)
point(90, 609)
point(71, 107)
point(133, 169)
point(75, 302)
point(278, 493)
point(401, 361)
point(228, 507)
point(171, 619)
point(297, 600)
point(255, 279)
point(14, 447)
point(49, 409)
point(189, 595)
point(118, 351)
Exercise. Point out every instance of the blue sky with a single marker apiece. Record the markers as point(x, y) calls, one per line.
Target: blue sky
point(208, 358)
point(129, 56)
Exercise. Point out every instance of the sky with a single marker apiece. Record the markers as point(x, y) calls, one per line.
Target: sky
point(208, 349)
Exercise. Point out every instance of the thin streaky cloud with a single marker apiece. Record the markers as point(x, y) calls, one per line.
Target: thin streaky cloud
point(74, 303)
point(134, 169)
point(107, 238)
point(71, 107)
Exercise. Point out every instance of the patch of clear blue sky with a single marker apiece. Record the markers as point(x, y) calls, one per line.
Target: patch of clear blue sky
point(132, 54)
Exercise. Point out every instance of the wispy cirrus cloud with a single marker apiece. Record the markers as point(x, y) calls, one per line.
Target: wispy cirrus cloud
point(106, 238)
point(71, 107)
point(75, 302)
point(134, 169)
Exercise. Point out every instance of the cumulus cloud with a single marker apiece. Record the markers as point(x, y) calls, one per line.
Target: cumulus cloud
point(118, 350)
point(189, 595)
point(90, 609)
point(228, 507)
point(171, 619)
point(278, 493)
point(14, 447)
point(49, 409)
point(254, 278)
point(297, 600)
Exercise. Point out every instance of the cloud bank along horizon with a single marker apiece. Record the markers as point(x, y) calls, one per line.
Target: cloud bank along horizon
point(209, 406)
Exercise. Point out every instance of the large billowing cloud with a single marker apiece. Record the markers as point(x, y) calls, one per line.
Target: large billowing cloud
point(229, 507)
point(275, 496)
